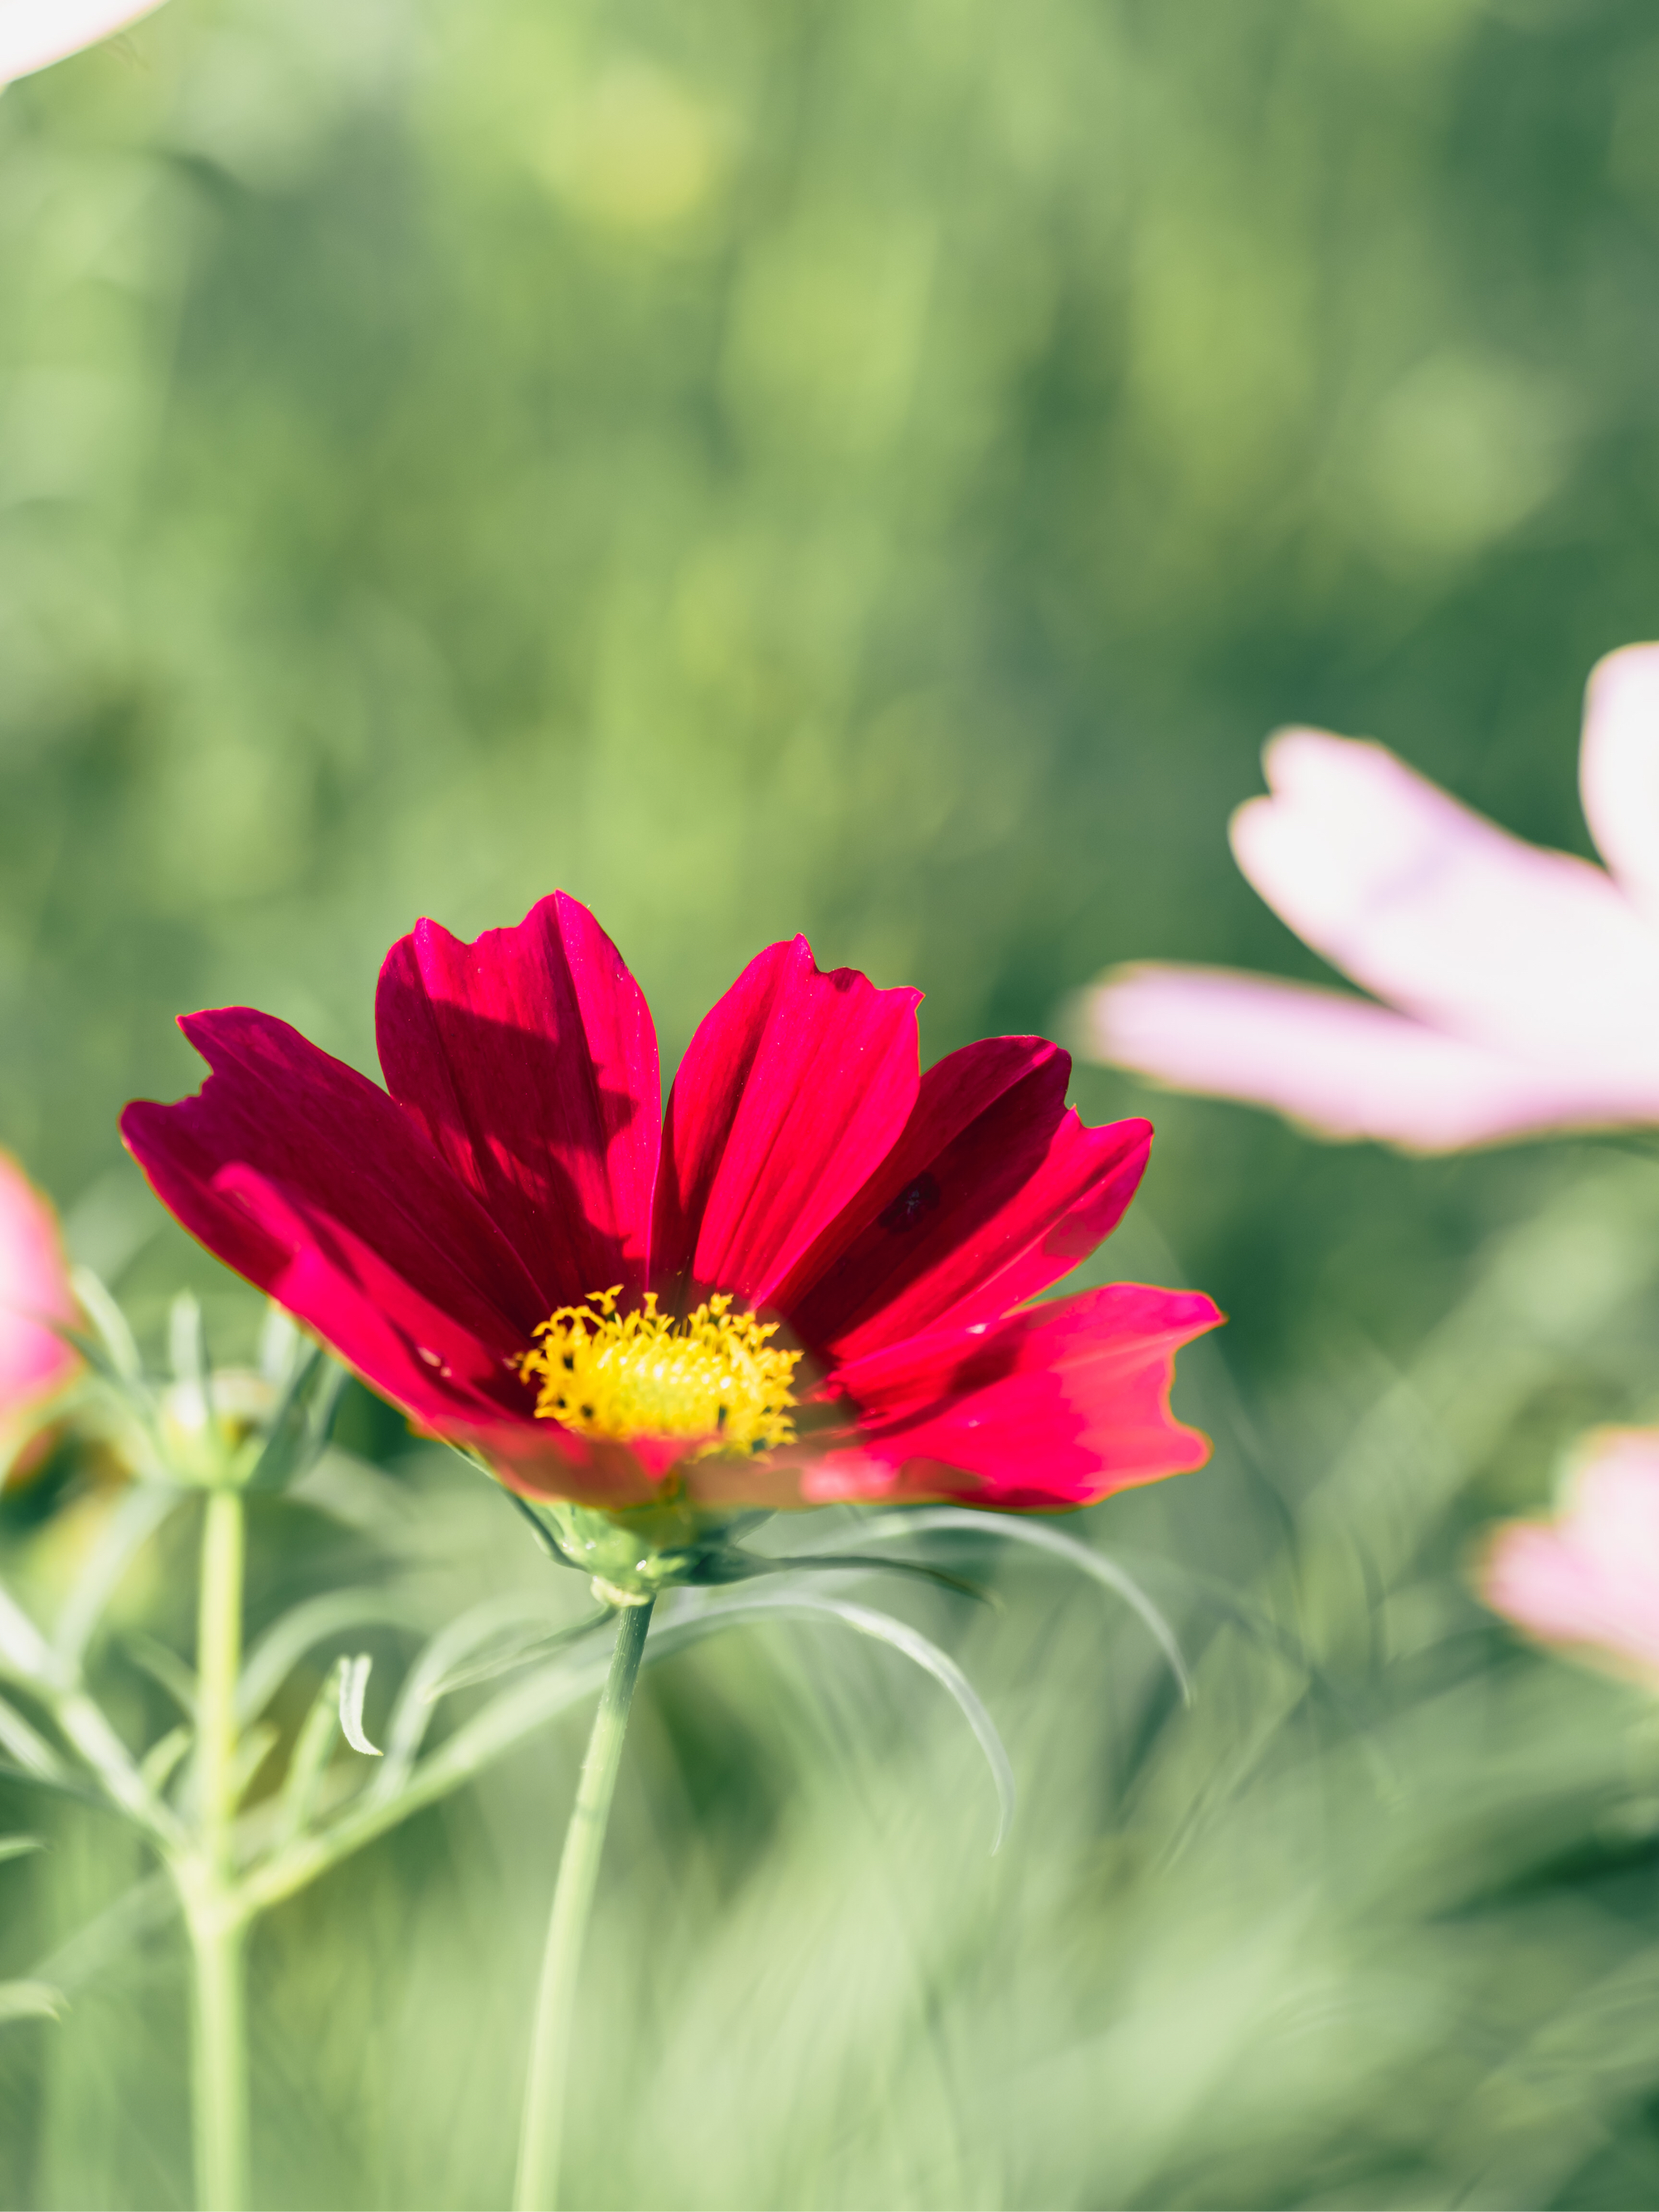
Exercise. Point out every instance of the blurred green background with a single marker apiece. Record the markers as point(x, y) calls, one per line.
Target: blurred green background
point(878, 469)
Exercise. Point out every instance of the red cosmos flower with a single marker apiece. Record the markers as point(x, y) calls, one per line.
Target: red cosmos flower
point(800, 1287)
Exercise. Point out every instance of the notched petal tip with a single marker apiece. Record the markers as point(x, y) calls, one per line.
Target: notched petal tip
point(528, 1059)
point(826, 1055)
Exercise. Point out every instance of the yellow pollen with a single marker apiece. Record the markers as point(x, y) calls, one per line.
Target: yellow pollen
point(716, 1374)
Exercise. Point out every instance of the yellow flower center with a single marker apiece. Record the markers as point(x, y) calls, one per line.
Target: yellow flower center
point(716, 1374)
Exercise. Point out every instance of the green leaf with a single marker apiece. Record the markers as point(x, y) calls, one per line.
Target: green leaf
point(147, 1906)
point(255, 1747)
point(17, 1847)
point(157, 1768)
point(24, 1652)
point(164, 1667)
point(31, 2001)
point(143, 1506)
point(734, 1564)
point(116, 1350)
point(63, 1784)
point(354, 1685)
point(33, 1754)
point(442, 1667)
point(700, 1617)
point(289, 1430)
point(519, 1652)
point(286, 1642)
point(1259, 1625)
point(501, 1724)
point(301, 1427)
point(1038, 1536)
point(528, 1512)
point(282, 1348)
point(187, 1350)
point(302, 1786)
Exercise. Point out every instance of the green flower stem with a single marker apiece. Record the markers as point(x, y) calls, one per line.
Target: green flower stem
point(215, 1914)
point(541, 2133)
point(219, 2063)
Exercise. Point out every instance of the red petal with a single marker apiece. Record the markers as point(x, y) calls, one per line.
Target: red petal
point(1056, 1406)
point(793, 1090)
point(302, 1174)
point(994, 1191)
point(539, 1458)
point(530, 1060)
point(447, 1374)
point(453, 1385)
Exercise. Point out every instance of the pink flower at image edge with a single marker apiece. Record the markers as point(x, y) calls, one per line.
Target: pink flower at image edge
point(1589, 1579)
point(1509, 982)
point(35, 1362)
point(34, 33)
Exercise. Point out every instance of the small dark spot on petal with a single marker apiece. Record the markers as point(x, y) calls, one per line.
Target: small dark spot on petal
point(917, 1199)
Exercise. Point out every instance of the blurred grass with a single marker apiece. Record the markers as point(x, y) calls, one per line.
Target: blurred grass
point(879, 470)
point(1372, 1924)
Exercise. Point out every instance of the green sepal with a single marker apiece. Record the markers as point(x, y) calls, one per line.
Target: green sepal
point(640, 1550)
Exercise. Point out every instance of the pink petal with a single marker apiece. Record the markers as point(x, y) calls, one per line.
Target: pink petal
point(994, 1191)
point(1533, 953)
point(34, 1288)
point(1346, 1068)
point(305, 1177)
point(35, 32)
point(794, 1089)
point(1619, 769)
point(530, 1060)
point(1055, 1407)
point(1590, 1578)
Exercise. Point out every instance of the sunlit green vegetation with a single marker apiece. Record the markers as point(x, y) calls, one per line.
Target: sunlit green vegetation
point(878, 470)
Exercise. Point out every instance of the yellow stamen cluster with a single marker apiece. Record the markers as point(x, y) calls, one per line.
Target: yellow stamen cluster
point(716, 1374)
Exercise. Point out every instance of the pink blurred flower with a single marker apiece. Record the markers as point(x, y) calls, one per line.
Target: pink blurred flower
point(1519, 988)
point(1589, 1579)
point(34, 33)
point(35, 1362)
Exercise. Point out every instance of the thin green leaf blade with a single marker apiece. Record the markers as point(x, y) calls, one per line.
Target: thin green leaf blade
point(117, 1349)
point(444, 1666)
point(31, 2001)
point(142, 1508)
point(882, 1628)
point(1037, 1535)
point(284, 1449)
point(286, 1642)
